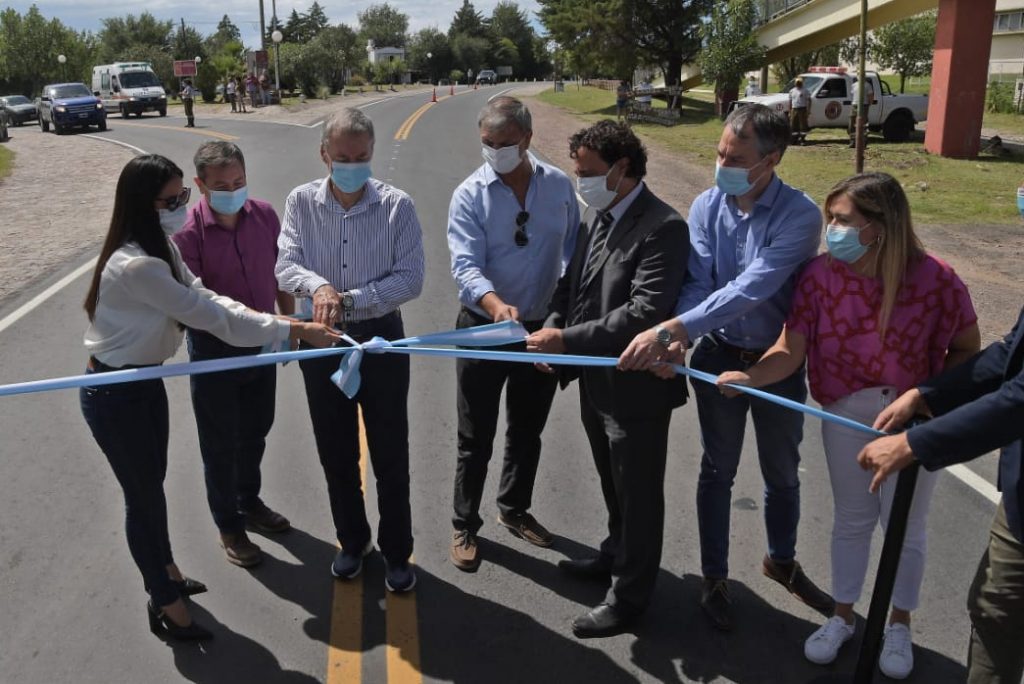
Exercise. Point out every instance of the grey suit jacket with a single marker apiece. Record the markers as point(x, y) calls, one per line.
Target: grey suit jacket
point(635, 287)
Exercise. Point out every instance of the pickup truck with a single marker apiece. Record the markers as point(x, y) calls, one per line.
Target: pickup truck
point(67, 105)
point(831, 91)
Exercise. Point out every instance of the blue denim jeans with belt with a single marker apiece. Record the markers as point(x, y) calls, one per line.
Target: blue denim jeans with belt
point(778, 432)
point(130, 424)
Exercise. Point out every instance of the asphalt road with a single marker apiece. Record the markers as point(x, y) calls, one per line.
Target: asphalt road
point(72, 604)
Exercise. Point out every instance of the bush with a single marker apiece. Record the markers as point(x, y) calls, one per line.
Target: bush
point(999, 97)
point(323, 92)
point(457, 76)
point(356, 81)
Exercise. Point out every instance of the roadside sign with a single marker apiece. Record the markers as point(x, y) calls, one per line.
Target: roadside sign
point(503, 71)
point(184, 67)
point(261, 59)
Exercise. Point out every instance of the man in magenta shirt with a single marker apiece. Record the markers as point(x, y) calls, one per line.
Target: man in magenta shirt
point(230, 241)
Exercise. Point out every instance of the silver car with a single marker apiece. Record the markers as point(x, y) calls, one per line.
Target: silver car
point(19, 109)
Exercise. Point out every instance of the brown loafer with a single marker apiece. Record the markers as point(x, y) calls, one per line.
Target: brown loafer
point(526, 527)
point(792, 577)
point(463, 551)
point(263, 519)
point(239, 550)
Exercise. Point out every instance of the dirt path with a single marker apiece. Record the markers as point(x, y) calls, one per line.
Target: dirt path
point(988, 258)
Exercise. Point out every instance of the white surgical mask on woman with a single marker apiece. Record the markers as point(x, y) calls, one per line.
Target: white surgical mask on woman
point(172, 221)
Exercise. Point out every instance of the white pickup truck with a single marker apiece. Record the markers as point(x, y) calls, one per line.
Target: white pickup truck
point(831, 90)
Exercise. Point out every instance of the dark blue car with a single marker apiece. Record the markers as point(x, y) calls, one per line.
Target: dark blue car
point(70, 105)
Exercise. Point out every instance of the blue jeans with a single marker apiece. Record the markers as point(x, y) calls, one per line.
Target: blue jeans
point(234, 413)
point(778, 431)
point(130, 424)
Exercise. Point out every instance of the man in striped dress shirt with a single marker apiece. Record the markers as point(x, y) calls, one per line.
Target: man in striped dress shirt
point(351, 249)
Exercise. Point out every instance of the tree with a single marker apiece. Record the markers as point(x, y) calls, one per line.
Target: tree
point(339, 50)
point(791, 67)
point(121, 33)
point(225, 33)
point(294, 30)
point(470, 52)
point(667, 32)
point(730, 48)
point(510, 23)
point(430, 41)
point(468, 21)
point(906, 46)
point(384, 25)
point(29, 46)
point(316, 19)
point(594, 36)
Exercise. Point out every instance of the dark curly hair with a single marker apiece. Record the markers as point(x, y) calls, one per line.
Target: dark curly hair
point(612, 141)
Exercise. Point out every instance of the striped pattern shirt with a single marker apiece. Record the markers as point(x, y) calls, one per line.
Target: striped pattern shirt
point(374, 250)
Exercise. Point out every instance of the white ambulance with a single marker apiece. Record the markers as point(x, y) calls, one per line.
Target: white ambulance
point(129, 88)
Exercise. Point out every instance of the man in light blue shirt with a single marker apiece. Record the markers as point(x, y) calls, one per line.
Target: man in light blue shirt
point(511, 229)
point(750, 234)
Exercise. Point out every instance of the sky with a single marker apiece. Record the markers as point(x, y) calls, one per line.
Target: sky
point(204, 16)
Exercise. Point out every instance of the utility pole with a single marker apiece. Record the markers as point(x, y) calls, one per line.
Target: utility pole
point(861, 124)
point(263, 29)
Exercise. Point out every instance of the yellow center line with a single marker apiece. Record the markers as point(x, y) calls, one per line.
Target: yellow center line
point(403, 639)
point(345, 644)
point(405, 128)
point(192, 131)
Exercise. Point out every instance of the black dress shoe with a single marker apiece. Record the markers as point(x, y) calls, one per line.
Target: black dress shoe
point(160, 624)
point(715, 601)
point(189, 586)
point(602, 621)
point(597, 568)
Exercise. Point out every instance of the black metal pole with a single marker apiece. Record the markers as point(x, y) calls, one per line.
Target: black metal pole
point(885, 577)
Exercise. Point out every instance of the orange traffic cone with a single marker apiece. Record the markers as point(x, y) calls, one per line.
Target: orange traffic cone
point(475, 84)
point(433, 98)
point(451, 90)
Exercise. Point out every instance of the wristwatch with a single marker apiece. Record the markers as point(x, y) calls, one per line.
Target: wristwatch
point(664, 335)
point(348, 302)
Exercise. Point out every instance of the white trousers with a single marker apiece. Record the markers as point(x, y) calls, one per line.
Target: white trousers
point(857, 511)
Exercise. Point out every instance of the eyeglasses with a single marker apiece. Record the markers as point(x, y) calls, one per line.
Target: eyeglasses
point(521, 238)
point(181, 199)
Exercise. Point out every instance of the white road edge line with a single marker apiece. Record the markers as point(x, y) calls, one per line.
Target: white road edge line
point(26, 308)
point(116, 142)
point(975, 482)
point(507, 90)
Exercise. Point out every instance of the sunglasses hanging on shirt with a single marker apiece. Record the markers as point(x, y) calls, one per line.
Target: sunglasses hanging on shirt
point(521, 238)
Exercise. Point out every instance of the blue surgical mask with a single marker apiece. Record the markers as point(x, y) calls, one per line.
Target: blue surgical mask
point(1020, 201)
point(732, 180)
point(350, 177)
point(844, 243)
point(228, 202)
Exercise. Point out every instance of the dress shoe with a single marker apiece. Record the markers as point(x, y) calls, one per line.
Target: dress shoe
point(792, 577)
point(463, 552)
point(239, 550)
point(603, 621)
point(264, 520)
point(526, 527)
point(160, 623)
point(597, 568)
point(716, 604)
point(189, 586)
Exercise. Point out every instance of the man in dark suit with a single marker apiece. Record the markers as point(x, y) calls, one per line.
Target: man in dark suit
point(624, 277)
point(977, 406)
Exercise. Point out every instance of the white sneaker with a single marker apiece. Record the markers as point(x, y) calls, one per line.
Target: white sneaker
point(823, 646)
point(897, 659)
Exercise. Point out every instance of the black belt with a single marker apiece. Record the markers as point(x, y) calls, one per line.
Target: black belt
point(744, 355)
point(98, 366)
point(367, 326)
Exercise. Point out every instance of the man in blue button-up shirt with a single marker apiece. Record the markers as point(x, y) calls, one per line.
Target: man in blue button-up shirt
point(511, 229)
point(750, 234)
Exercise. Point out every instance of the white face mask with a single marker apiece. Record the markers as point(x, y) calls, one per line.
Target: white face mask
point(594, 190)
point(172, 221)
point(504, 159)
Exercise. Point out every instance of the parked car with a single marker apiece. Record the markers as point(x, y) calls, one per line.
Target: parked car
point(487, 77)
point(830, 89)
point(67, 105)
point(4, 135)
point(19, 109)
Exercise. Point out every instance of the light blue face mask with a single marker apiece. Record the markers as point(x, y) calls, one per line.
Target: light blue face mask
point(1020, 201)
point(228, 202)
point(844, 243)
point(732, 180)
point(350, 177)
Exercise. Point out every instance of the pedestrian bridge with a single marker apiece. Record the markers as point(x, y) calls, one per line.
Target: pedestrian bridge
point(792, 27)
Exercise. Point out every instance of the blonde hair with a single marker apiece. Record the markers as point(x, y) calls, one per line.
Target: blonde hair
point(880, 199)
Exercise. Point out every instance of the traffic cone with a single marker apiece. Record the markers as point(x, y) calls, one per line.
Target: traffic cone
point(451, 90)
point(433, 98)
point(475, 85)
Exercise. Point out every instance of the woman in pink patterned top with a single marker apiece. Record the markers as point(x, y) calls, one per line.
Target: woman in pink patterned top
point(872, 318)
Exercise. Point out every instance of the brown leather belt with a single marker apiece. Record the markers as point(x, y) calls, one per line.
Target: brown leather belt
point(744, 355)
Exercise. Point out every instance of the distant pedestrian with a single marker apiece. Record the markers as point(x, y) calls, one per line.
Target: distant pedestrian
point(799, 109)
point(240, 94)
point(252, 85)
point(753, 89)
point(869, 96)
point(230, 91)
point(264, 88)
point(188, 94)
point(622, 95)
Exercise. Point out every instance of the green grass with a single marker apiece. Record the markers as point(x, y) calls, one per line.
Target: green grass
point(957, 191)
point(6, 161)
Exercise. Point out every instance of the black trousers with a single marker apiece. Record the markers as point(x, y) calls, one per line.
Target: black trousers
point(528, 397)
point(382, 398)
point(234, 413)
point(630, 459)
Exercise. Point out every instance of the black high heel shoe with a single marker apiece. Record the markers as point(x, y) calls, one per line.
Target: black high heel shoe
point(189, 586)
point(159, 624)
